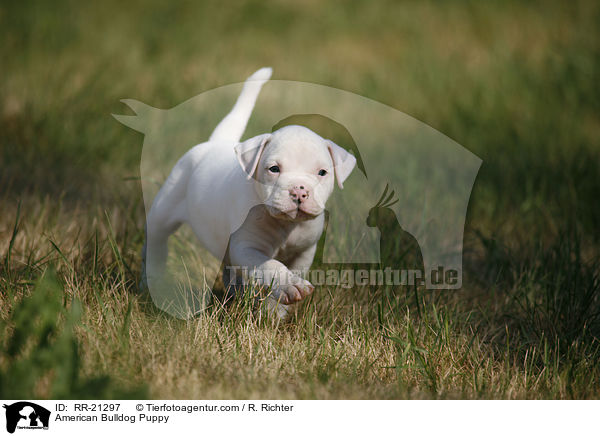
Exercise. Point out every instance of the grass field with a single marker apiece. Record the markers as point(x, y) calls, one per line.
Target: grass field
point(516, 83)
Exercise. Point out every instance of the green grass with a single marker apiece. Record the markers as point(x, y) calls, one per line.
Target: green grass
point(514, 83)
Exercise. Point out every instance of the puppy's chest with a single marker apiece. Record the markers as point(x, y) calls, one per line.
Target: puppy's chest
point(297, 241)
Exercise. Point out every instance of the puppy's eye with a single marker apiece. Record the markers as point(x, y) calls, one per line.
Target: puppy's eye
point(322, 173)
point(274, 169)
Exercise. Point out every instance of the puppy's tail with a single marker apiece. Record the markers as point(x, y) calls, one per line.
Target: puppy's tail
point(231, 128)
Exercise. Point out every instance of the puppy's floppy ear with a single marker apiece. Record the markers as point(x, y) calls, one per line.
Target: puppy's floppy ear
point(248, 152)
point(343, 162)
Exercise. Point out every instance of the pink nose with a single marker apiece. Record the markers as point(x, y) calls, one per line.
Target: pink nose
point(298, 194)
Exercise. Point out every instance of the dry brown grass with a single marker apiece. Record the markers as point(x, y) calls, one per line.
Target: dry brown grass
point(341, 344)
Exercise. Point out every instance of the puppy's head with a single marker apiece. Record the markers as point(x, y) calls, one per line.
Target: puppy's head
point(295, 169)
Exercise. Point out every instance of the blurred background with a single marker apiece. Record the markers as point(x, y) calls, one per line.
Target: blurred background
point(516, 83)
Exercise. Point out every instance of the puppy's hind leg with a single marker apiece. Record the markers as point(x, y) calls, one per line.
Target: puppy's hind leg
point(155, 250)
point(167, 213)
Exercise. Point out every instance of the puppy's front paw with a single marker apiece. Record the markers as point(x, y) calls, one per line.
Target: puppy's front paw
point(294, 290)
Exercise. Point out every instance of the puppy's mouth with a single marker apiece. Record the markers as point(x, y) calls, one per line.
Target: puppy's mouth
point(295, 214)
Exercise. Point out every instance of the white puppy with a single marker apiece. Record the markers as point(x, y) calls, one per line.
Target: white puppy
point(257, 204)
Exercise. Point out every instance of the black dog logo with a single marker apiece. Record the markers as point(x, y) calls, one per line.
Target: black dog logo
point(28, 415)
